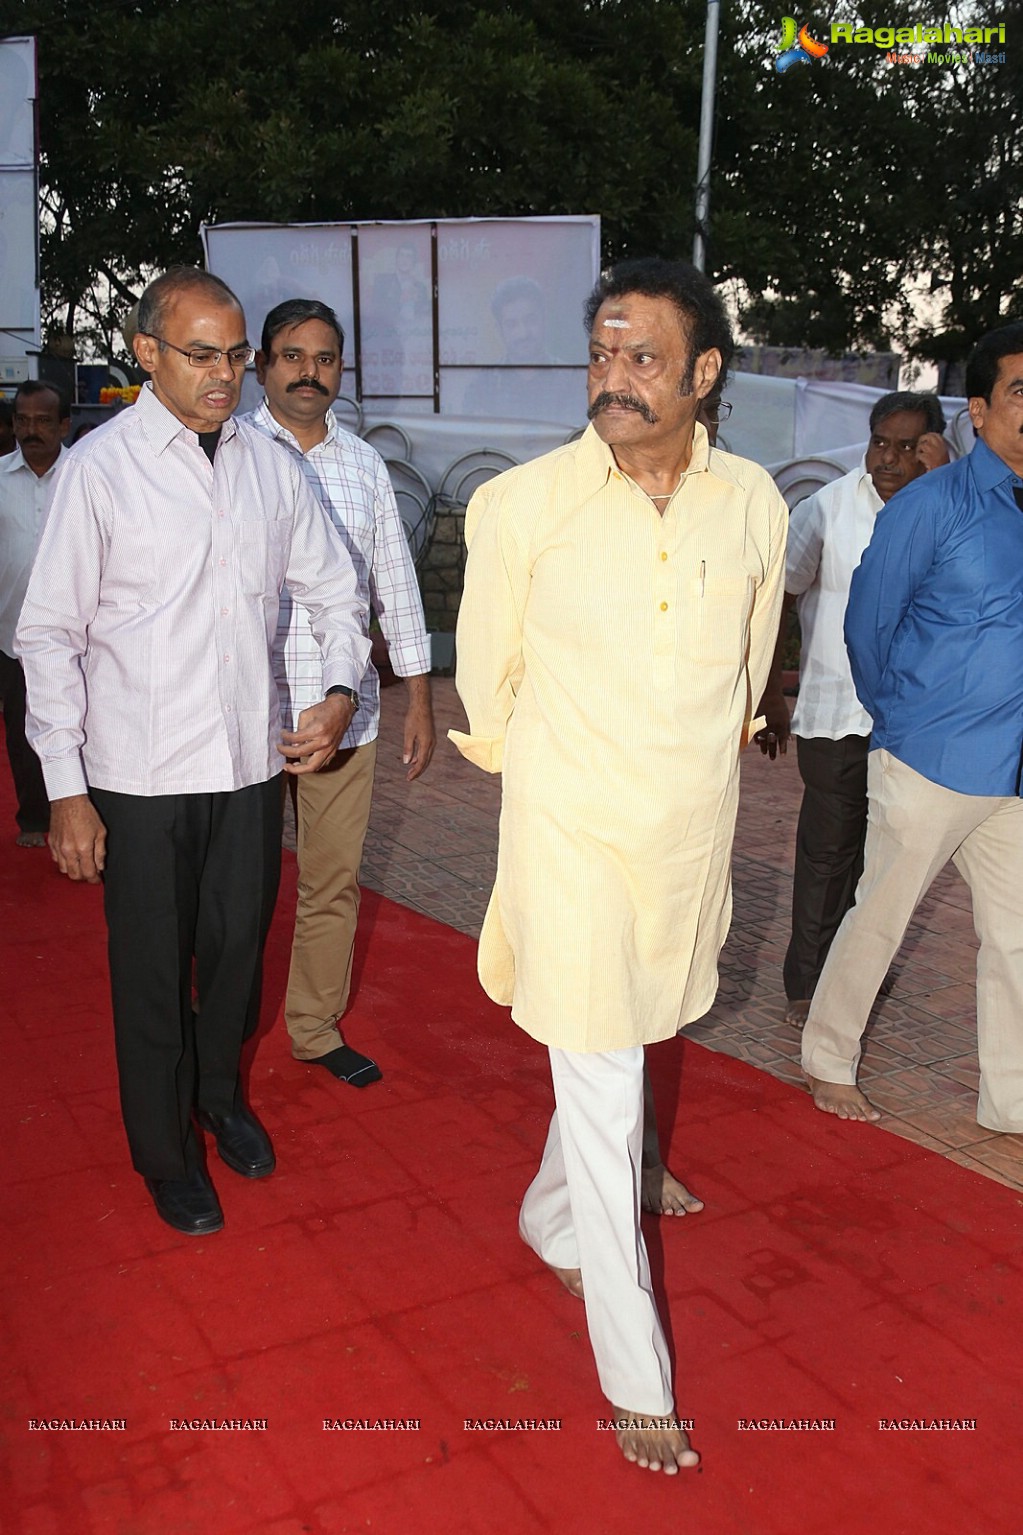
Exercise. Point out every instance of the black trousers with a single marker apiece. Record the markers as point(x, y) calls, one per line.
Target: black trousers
point(33, 813)
point(829, 852)
point(190, 879)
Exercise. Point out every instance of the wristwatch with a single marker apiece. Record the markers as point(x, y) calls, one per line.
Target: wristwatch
point(348, 693)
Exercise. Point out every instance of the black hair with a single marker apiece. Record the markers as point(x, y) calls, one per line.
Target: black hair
point(34, 386)
point(926, 405)
point(982, 364)
point(296, 311)
point(694, 296)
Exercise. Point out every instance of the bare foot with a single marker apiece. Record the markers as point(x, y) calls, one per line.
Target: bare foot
point(662, 1194)
point(30, 839)
point(841, 1099)
point(572, 1279)
point(653, 1443)
point(795, 1012)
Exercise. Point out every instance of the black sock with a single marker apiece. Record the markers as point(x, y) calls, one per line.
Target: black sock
point(349, 1066)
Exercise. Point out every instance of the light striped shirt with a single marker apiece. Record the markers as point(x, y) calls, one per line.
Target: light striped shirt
point(354, 488)
point(828, 533)
point(147, 629)
point(24, 498)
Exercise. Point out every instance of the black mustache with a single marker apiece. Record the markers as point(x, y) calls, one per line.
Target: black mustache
point(24, 441)
point(627, 402)
point(307, 383)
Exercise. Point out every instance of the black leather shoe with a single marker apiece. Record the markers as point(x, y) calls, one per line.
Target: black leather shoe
point(188, 1204)
point(241, 1142)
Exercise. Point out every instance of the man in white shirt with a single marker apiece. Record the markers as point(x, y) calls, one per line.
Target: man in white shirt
point(828, 533)
point(299, 365)
point(146, 637)
point(41, 419)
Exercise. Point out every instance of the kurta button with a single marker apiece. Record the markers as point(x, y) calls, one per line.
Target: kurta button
point(226, 659)
point(221, 562)
point(225, 611)
point(664, 607)
point(664, 554)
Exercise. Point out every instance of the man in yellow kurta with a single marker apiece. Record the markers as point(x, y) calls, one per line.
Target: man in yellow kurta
point(621, 606)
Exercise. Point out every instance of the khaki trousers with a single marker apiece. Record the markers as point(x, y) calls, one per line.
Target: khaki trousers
point(331, 814)
point(582, 1211)
point(914, 828)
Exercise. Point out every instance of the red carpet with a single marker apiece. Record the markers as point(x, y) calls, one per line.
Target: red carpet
point(837, 1273)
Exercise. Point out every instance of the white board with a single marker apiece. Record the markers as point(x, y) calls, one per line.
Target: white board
point(506, 339)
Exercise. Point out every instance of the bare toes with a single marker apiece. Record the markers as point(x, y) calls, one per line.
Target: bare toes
point(844, 1100)
point(652, 1443)
point(663, 1194)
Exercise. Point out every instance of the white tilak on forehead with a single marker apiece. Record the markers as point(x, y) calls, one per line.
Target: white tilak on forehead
point(618, 324)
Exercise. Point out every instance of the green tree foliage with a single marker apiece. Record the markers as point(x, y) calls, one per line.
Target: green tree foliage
point(834, 185)
point(852, 182)
point(158, 115)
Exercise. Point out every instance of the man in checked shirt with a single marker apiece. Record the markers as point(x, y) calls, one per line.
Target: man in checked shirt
point(299, 365)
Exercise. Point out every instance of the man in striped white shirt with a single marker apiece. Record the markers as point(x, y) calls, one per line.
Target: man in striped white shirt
point(299, 365)
point(146, 636)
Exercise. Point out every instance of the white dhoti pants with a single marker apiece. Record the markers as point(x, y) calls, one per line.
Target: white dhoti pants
point(582, 1211)
point(914, 828)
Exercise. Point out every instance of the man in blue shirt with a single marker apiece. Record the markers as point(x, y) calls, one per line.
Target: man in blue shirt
point(934, 630)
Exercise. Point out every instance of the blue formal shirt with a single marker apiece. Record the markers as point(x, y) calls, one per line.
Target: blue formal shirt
point(934, 626)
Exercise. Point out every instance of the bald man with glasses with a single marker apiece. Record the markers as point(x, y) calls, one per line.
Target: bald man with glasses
point(146, 640)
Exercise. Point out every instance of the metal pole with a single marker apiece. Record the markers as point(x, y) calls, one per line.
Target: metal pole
point(710, 64)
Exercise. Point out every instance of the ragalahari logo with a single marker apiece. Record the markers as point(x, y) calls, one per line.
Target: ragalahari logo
point(797, 46)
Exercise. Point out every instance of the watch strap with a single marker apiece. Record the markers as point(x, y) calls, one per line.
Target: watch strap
point(348, 693)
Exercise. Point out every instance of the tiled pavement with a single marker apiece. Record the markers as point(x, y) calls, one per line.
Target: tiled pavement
point(432, 846)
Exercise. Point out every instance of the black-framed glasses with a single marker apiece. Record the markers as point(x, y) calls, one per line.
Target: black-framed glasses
point(208, 356)
point(719, 412)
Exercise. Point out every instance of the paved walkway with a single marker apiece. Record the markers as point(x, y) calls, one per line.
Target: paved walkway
point(432, 846)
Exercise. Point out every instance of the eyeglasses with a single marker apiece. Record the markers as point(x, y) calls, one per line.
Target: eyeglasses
point(208, 356)
point(719, 412)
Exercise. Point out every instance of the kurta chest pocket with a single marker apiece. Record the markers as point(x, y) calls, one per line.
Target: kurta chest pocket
point(262, 549)
point(720, 607)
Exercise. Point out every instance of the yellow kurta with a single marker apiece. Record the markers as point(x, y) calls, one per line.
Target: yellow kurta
point(609, 660)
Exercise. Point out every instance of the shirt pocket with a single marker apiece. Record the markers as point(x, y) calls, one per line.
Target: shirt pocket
point(721, 606)
point(263, 550)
